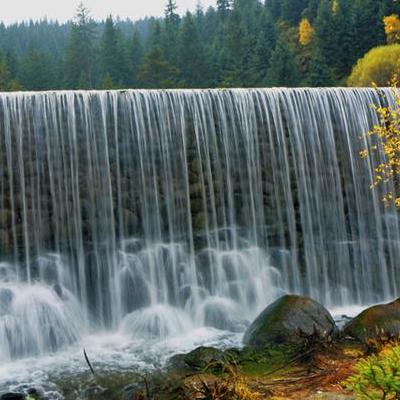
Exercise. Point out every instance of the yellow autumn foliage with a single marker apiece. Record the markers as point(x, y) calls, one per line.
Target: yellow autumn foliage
point(392, 28)
point(306, 32)
point(377, 66)
point(386, 135)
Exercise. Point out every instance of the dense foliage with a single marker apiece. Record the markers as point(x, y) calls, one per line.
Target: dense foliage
point(379, 65)
point(237, 43)
point(378, 376)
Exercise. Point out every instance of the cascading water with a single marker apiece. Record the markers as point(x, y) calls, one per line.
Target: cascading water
point(154, 212)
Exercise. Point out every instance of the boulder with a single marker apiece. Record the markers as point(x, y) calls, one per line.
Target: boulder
point(198, 359)
point(12, 396)
point(382, 320)
point(36, 394)
point(289, 320)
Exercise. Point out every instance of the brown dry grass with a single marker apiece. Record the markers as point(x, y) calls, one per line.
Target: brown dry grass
point(322, 373)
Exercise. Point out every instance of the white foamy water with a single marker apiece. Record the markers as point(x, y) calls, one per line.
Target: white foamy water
point(107, 353)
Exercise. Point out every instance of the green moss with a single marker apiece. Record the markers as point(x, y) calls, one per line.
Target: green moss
point(260, 362)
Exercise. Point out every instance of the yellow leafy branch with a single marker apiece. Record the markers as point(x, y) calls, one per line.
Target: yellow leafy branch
point(387, 135)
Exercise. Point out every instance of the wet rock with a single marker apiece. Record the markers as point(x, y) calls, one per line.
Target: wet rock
point(200, 222)
point(6, 298)
point(288, 320)
point(36, 393)
point(198, 359)
point(203, 357)
point(12, 396)
point(374, 322)
point(177, 362)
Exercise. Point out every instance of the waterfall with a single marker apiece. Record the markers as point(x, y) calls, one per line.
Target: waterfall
point(154, 212)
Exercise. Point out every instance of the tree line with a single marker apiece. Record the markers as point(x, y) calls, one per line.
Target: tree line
point(237, 43)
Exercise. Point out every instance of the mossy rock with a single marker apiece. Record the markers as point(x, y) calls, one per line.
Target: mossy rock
point(290, 320)
point(379, 321)
point(12, 396)
point(198, 359)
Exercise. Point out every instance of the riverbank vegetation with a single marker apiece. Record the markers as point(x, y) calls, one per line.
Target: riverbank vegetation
point(237, 43)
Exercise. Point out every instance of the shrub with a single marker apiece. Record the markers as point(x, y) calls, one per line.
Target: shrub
point(378, 376)
point(377, 66)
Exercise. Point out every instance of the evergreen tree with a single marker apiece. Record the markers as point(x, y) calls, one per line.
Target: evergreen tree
point(342, 39)
point(136, 53)
point(325, 33)
point(367, 27)
point(155, 34)
point(171, 17)
point(223, 7)
point(387, 7)
point(5, 76)
point(242, 34)
point(81, 55)
point(37, 71)
point(12, 62)
point(156, 72)
point(112, 57)
point(236, 50)
point(291, 10)
point(265, 43)
point(192, 63)
point(283, 70)
point(171, 32)
point(107, 83)
point(319, 74)
point(218, 52)
point(311, 11)
point(274, 7)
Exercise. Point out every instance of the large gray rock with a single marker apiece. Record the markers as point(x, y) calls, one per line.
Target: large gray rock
point(382, 320)
point(288, 321)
